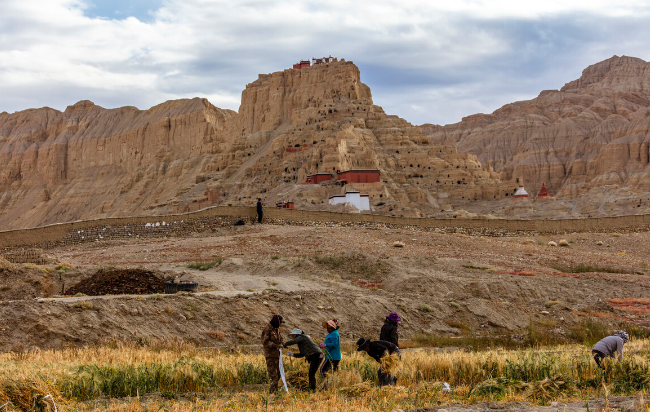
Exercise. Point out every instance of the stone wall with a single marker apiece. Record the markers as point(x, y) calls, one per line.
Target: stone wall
point(196, 222)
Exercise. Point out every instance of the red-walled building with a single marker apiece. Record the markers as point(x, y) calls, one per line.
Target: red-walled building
point(359, 176)
point(285, 205)
point(302, 65)
point(318, 178)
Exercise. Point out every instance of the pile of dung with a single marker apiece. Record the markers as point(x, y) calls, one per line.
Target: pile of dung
point(120, 282)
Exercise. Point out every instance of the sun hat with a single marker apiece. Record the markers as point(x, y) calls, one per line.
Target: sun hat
point(393, 316)
point(296, 331)
point(362, 343)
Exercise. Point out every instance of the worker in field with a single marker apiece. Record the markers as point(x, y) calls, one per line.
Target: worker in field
point(307, 349)
point(610, 347)
point(332, 348)
point(389, 330)
point(271, 344)
point(381, 351)
point(260, 212)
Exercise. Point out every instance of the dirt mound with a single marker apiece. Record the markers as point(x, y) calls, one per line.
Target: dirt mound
point(120, 282)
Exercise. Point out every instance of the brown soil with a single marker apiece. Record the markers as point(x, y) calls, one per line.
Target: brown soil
point(120, 282)
point(616, 403)
point(440, 283)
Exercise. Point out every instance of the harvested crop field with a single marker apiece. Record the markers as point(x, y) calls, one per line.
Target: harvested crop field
point(120, 282)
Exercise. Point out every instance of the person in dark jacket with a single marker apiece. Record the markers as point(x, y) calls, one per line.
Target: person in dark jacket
point(610, 347)
point(308, 350)
point(271, 344)
point(377, 350)
point(389, 330)
point(260, 212)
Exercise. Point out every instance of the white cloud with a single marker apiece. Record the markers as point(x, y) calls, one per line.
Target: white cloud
point(425, 60)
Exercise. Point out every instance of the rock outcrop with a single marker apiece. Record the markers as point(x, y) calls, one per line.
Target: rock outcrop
point(91, 162)
point(588, 141)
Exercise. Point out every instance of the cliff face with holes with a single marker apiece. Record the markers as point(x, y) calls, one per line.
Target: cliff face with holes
point(588, 140)
point(91, 162)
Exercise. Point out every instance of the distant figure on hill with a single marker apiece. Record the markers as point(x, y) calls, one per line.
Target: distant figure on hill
point(260, 212)
point(610, 347)
point(381, 351)
point(389, 330)
point(271, 344)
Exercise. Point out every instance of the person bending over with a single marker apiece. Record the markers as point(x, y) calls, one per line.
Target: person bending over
point(610, 347)
point(308, 350)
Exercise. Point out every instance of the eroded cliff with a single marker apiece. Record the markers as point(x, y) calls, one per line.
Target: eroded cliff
point(89, 162)
point(588, 141)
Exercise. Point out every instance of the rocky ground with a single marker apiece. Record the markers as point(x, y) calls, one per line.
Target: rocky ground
point(441, 284)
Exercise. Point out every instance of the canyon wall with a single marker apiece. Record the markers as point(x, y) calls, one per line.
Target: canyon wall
point(91, 162)
point(584, 141)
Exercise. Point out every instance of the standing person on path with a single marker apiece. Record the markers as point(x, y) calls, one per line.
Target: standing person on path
point(308, 350)
point(332, 347)
point(260, 212)
point(389, 330)
point(610, 347)
point(271, 344)
point(377, 350)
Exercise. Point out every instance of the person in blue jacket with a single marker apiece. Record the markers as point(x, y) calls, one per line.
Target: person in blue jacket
point(332, 347)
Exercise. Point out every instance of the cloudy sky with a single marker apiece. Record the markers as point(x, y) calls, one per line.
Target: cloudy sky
point(428, 61)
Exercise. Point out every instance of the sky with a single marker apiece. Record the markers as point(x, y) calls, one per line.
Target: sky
point(427, 61)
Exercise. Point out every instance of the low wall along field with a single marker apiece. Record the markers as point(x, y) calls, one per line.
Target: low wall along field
point(206, 219)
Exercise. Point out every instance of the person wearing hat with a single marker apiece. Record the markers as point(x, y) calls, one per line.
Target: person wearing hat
point(389, 330)
point(308, 350)
point(271, 344)
point(610, 347)
point(378, 349)
point(332, 347)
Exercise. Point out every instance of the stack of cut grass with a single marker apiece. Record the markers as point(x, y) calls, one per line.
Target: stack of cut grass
point(390, 363)
point(554, 387)
point(298, 379)
point(359, 389)
point(28, 395)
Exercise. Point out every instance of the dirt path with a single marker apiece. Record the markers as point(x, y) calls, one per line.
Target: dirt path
point(618, 403)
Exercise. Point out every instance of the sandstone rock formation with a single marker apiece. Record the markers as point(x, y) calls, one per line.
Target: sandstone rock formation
point(89, 162)
point(589, 141)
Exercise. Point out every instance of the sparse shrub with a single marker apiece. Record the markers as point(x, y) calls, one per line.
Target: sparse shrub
point(275, 257)
point(564, 243)
point(216, 334)
point(205, 265)
point(80, 295)
point(83, 304)
point(398, 244)
point(458, 325)
point(551, 303)
point(251, 290)
point(425, 308)
point(589, 331)
point(551, 243)
point(600, 243)
point(169, 310)
point(454, 305)
point(62, 267)
point(32, 266)
point(155, 296)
